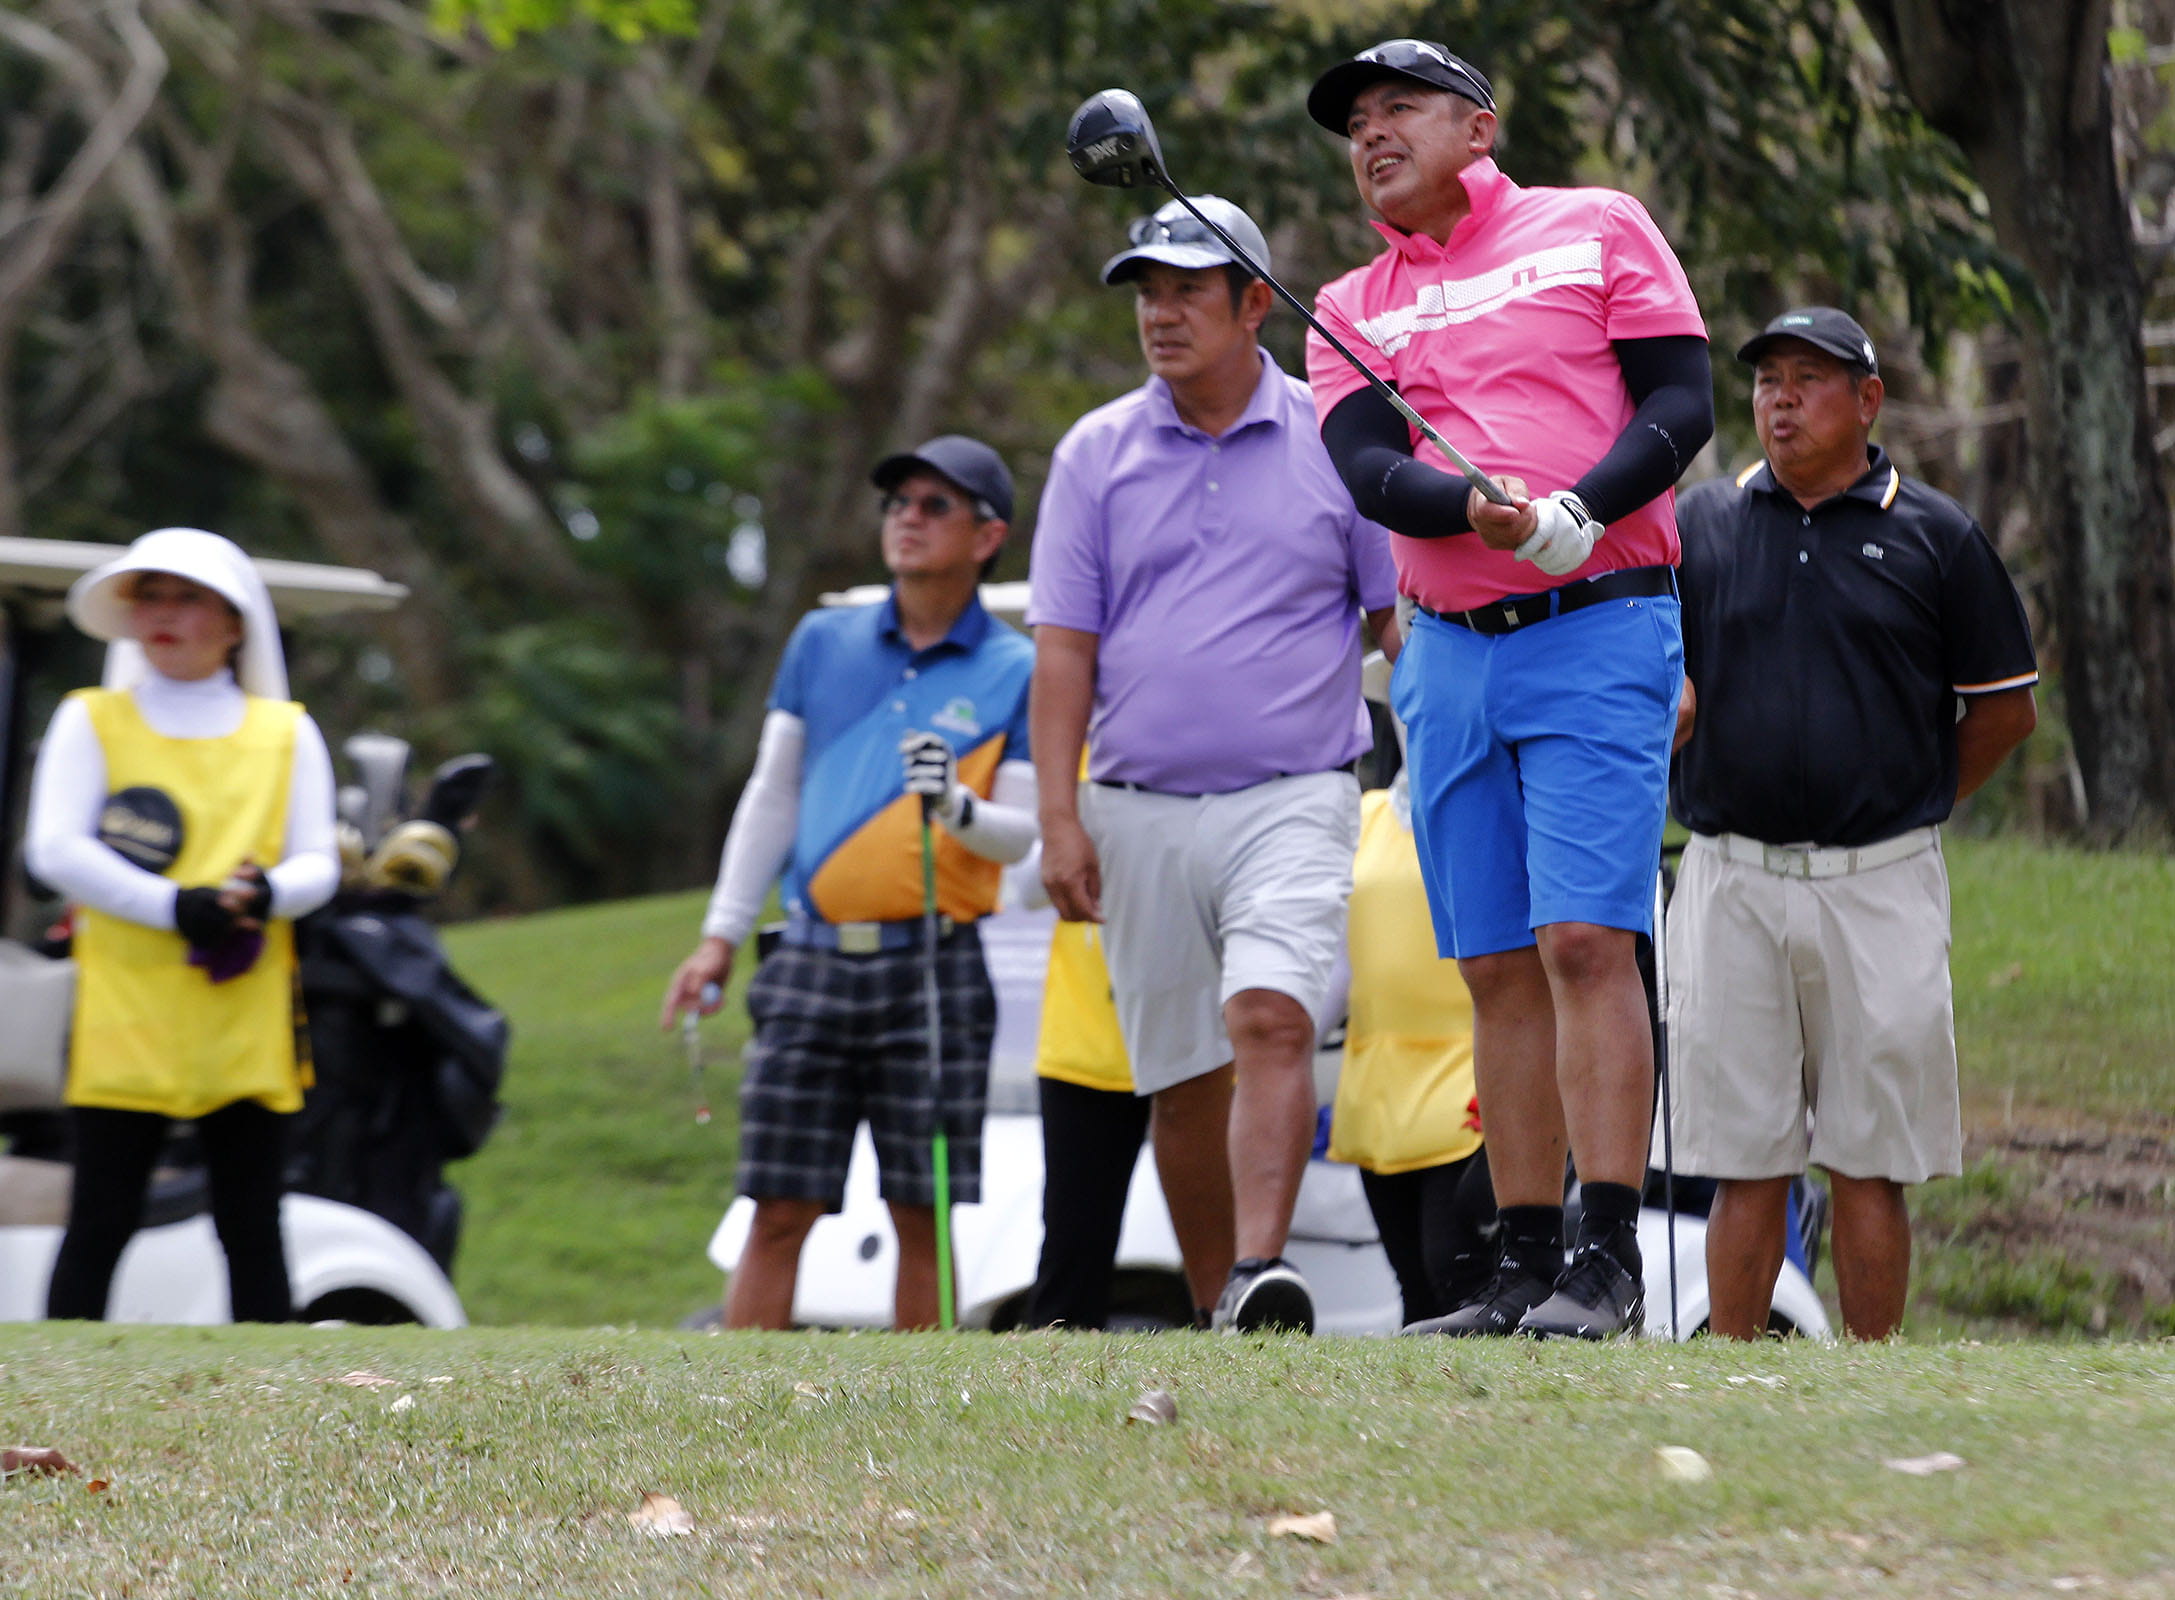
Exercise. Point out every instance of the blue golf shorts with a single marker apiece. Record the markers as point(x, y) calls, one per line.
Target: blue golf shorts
point(1540, 768)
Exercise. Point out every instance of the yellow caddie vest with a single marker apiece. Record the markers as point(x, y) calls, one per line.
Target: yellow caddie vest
point(1079, 1041)
point(153, 1033)
point(1404, 1099)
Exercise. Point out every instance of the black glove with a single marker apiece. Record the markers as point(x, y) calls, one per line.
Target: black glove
point(201, 919)
point(251, 876)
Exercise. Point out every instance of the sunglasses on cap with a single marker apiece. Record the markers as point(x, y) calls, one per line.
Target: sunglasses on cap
point(1431, 62)
point(934, 505)
point(1179, 230)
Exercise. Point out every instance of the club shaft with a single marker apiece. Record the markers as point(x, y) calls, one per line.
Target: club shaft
point(1487, 486)
point(1661, 1068)
point(932, 1000)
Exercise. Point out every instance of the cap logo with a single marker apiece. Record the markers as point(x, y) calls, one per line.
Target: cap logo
point(1867, 346)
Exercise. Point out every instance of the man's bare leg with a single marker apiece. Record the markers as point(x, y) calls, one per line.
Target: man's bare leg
point(1871, 1231)
point(1745, 1247)
point(1190, 1128)
point(914, 1300)
point(770, 1264)
point(1604, 1049)
point(1272, 1115)
point(1514, 1069)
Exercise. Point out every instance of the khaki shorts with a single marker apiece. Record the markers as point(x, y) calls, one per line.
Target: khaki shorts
point(1206, 896)
point(1810, 1020)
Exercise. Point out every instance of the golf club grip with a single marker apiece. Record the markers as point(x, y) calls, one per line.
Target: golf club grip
point(1488, 487)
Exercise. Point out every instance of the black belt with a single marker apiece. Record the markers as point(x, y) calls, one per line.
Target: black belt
point(1513, 612)
point(1351, 767)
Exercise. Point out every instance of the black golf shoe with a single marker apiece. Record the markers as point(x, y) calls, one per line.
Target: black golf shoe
point(1264, 1295)
point(1495, 1310)
point(1599, 1296)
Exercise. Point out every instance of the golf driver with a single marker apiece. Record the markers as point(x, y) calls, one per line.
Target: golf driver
point(1112, 143)
point(1661, 1073)
point(939, 1143)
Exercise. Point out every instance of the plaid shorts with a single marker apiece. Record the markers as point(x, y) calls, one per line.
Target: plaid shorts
point(843, 1039)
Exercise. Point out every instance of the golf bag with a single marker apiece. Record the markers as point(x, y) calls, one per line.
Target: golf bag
point(407, 1057)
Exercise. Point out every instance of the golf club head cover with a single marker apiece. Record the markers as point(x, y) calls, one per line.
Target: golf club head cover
point(416, 858)
point(930, 771)
point(1564, 534)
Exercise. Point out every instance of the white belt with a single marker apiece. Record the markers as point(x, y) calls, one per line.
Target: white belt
point(1817, 861)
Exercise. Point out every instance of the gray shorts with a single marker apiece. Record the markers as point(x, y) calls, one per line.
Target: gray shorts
point(1810, 1020)
point(1206, 896)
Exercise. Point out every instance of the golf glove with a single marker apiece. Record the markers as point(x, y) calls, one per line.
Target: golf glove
point(1564, 534)
point(931, 772)
point(200, 918)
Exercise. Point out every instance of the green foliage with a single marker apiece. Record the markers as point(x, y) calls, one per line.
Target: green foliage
point(585, 733)
point(505, 22)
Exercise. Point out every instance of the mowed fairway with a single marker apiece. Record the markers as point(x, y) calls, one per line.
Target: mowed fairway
point(237, 1462)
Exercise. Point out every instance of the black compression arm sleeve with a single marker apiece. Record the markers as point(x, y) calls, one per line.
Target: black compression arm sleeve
point(1669, 383)
point(1673, 388)
point(1371, 447)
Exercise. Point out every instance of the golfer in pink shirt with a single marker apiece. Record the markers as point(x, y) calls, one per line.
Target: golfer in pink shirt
point(1551, 335)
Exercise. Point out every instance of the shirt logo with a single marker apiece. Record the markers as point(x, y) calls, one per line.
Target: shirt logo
point(1873, 550)
point(1455, 300)
point(958, 717)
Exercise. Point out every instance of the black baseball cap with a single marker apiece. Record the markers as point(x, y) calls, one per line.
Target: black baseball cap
point(1822, 327)
point(1329, 102)
point(967, 462)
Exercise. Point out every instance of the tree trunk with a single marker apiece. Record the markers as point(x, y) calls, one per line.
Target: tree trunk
point(2022, 87)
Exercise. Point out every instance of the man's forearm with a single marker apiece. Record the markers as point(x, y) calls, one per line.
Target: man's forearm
point(1059, 702)
point(1992, 725)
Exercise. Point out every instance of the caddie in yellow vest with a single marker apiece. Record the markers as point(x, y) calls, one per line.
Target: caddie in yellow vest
point(186, 810)
point(1405, 1112)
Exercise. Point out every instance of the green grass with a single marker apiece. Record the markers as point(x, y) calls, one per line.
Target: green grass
point(595, 1198)
point(597, 1193)
point(883, 1466)
point(2065, 990)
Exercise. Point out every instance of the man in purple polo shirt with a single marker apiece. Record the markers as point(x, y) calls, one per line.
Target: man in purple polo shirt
point(1198, 580)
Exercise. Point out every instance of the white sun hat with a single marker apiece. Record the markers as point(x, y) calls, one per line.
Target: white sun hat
point(98, 605)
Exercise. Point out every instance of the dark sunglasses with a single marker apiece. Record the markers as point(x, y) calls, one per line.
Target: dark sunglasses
point(934, 505)
point(1431, 61)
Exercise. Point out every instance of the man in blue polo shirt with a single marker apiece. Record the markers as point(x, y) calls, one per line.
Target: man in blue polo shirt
point(1857, 661)
point(875, 707)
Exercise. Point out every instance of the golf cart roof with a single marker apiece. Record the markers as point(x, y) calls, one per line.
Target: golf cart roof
point(39, 571)
point(1007, 602)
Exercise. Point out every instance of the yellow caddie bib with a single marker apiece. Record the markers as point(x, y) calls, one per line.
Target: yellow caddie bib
point(153, 1033)
point(1079, 1041)
point(1404, 1099)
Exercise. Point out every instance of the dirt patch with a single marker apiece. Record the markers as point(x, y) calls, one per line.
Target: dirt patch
point(2058, 1226)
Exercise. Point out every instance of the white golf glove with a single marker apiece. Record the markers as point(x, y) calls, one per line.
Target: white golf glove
point(1564, 534)
point(931, 771)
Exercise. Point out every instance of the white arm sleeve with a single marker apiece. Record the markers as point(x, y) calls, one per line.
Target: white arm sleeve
point(60, 841)
point(1024, 889)
point(761, 835)
point(1004, 827)
point(309, 867)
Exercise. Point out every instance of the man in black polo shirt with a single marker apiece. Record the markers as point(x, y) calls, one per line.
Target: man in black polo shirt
point(1857, 660)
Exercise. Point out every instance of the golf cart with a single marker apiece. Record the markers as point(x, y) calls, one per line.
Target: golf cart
point(344, 1262)
point(849, 1262)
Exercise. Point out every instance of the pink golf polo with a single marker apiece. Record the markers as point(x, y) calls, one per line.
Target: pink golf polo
point(1502, 339)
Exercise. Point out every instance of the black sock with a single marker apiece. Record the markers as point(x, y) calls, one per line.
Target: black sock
point(1611, 1220)
point(1533, 1237)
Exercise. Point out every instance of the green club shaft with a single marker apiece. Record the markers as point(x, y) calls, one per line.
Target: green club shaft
point(939, 1144)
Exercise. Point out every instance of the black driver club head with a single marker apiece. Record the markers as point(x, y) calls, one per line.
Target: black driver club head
point(1112, 142)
